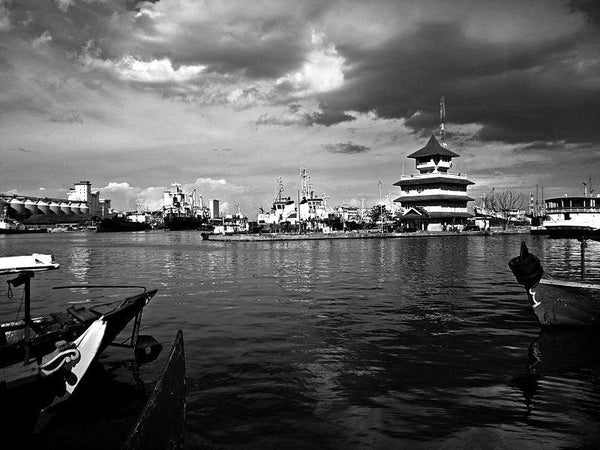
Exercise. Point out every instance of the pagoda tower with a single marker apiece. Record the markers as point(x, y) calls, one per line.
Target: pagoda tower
point(434, 199)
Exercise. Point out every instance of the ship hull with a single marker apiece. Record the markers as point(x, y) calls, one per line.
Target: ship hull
point(114, 225)
point(175, 223)
point(563, 303)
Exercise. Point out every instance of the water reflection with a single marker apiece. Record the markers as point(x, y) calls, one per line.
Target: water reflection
point(568, 354)
point(79, 263)
point(562, 258)
point(350, 344)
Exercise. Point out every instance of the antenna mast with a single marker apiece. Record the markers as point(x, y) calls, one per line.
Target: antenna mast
point(442, 119)
point(306, 184)
point(279, 189)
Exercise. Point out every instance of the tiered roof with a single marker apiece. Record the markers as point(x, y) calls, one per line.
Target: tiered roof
point(433, 148)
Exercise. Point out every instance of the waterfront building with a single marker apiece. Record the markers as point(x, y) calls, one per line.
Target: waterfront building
point(434, 199)
point(81, 192)
point(105, 207)
point(213, 208)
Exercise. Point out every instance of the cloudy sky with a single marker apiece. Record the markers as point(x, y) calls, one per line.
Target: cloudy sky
point(225, 96)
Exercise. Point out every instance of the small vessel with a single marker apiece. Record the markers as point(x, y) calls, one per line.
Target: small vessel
point(49, 377)
point(162, 421)
point(12, 226)
point(573, 216)
point(43, 359)
point(120, 222)
point(556, 302)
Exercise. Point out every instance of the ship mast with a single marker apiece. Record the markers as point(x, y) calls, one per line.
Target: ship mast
point(279, 189)
point(306, 185)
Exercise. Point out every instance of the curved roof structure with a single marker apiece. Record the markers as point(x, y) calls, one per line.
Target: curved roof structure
point(433, 148)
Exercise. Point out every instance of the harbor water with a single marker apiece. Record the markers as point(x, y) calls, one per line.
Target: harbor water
point(332, 344)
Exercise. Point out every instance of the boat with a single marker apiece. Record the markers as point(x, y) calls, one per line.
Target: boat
point(180, 211)
point(556, 303)
point(120, 222)
point(573, 217)
point(283, 212)
point(40, 379)
point(12, 226)
point(162, 421)
point(43, 359)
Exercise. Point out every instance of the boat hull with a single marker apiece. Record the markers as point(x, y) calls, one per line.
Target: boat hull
point(176, 223)
point(67, 326)
point(563, 304)
point(162, 422)
point(573, 232)
point(115, 225)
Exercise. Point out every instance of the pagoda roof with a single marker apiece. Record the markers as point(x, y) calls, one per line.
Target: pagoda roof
point(433, 197)
point(420, 212)
point(433, 180)
point(433, 148)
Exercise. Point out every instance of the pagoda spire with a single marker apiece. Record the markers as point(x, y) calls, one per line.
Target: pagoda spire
point(442, 120)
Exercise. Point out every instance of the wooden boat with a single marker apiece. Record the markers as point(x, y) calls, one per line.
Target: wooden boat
point(556, 302)
point(45, 331)
point(162, 421)
point(43, 360)
point(49, 377)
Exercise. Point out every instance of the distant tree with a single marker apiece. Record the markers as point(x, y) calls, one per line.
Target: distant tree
point(503, 202)
point(378, 211)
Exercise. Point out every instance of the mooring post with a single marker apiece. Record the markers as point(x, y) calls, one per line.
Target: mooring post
point(583, 246)
point(27, 276)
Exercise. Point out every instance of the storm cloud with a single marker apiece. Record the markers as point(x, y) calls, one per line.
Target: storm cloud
point(519, 78)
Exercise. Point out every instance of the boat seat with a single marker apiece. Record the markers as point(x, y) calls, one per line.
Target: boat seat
point(82, 314)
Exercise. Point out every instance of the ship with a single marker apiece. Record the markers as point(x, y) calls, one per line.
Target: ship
point(180, 211)
point(282, 211)
point(573, 216)
point(121, 222)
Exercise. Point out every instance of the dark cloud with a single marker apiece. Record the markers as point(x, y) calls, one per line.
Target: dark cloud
point(259, 44)
point(327, 116)
point(348, 148)
point(66, 117)
point(517, 92)
point(590, 8)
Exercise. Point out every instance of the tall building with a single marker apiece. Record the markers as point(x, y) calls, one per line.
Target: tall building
point(433, 199)
point(82, 192)
point(213, 207)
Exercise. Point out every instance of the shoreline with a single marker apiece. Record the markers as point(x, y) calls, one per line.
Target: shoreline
point(271, 237)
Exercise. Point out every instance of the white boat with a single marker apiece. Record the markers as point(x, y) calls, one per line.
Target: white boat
point(573, 217)
point(556, 302)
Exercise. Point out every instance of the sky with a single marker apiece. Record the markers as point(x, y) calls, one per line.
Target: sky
point(225, 96)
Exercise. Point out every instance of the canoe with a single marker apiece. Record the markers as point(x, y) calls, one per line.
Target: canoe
point(162, 421)
point(556, 303)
